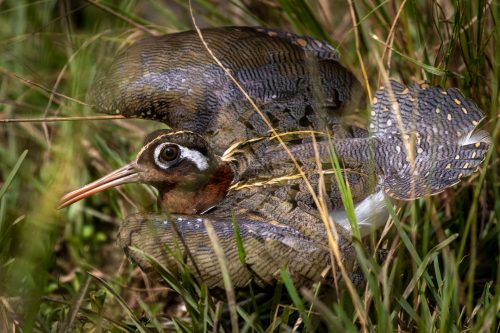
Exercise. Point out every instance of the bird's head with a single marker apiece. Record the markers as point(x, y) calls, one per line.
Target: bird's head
point(178, 162)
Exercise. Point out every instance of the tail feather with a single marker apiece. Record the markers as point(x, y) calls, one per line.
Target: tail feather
point(426, 138)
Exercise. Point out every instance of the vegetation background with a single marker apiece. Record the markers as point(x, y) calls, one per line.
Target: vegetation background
point(60, 271)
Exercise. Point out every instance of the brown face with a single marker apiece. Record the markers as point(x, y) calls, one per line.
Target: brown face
point(168, 160)
point(180, 159)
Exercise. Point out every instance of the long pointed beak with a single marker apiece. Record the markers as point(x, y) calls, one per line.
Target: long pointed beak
point(126, 174)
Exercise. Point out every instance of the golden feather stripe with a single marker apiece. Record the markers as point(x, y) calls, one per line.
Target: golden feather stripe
point(249, 184)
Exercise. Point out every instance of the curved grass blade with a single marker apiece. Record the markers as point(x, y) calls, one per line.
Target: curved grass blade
point(13, 173)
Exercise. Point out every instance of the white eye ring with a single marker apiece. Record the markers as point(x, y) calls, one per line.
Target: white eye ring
point(184, 153)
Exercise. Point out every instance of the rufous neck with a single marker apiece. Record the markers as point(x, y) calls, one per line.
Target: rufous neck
point(190, 201)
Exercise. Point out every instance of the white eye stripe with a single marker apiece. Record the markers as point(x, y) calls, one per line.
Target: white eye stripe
point(193, 155)
point(196, 157)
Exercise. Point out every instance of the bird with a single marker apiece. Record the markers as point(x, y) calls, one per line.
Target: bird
point(421, 140)
point(296, 81)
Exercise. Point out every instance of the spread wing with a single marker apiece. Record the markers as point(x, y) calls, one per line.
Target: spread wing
point(296, 81)
point(175, 239)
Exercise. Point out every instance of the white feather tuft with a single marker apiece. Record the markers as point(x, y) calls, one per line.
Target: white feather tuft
point(371, 213)
point(474, 137)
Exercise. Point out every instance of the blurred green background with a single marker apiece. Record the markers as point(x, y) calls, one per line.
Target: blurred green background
point(50, 52)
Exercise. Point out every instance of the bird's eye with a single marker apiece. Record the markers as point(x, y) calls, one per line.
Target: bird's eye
point(169, 153)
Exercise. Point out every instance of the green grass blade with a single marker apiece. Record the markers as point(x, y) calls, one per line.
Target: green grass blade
point(239, 243)
point(294, 295)
point(122, 302)
point(12, 174)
